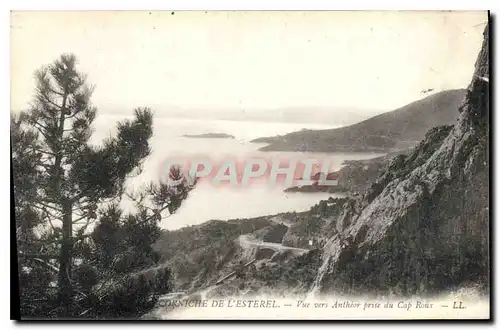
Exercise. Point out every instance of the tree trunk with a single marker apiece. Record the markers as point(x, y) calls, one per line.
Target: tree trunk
point(65, 289)
point(65, 262)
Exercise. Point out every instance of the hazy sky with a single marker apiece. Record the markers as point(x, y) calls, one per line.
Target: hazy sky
point(235, 60)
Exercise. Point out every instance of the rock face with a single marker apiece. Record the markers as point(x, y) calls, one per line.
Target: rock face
point(423, 226)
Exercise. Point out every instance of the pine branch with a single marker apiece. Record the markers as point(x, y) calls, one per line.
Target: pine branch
point(38, 255)
point(46, 212)
point(49, 206)
point(46, 264)
point(40, 127)
point(73, 114)
point(46, 152)
point(42, 130)
point(55, 92)
point(76, 221)
point(47, 99)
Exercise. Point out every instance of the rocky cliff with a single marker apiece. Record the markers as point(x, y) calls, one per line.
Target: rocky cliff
point(424, 225)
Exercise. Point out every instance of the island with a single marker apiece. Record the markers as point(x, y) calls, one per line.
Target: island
point(316, 186)
point(210, 136)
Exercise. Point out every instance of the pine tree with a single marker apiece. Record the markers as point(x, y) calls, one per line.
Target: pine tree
point(63, 179)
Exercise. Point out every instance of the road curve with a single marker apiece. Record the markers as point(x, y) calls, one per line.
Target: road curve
point(246, 242)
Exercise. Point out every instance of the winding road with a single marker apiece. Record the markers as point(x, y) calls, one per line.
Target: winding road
point(247, 242)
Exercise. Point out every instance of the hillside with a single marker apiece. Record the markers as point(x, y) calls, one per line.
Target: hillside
point(422, 227)
point(418, 227)
point(394, 130)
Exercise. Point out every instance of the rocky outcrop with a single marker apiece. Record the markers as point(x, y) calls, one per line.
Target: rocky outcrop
point(423, 226)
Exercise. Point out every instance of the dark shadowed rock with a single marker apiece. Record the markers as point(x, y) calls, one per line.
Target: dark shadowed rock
point(275, 234)
point(264, 253)
point(424, 225)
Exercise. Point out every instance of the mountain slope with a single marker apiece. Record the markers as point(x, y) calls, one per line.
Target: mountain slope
point(396, 129)
point(424, 225)
point(422, 228)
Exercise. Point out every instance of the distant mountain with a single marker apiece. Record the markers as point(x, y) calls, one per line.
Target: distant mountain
point(334, 116)
point(394, 130)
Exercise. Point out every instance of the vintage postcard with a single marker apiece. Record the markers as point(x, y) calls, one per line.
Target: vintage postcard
point(266, 165)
